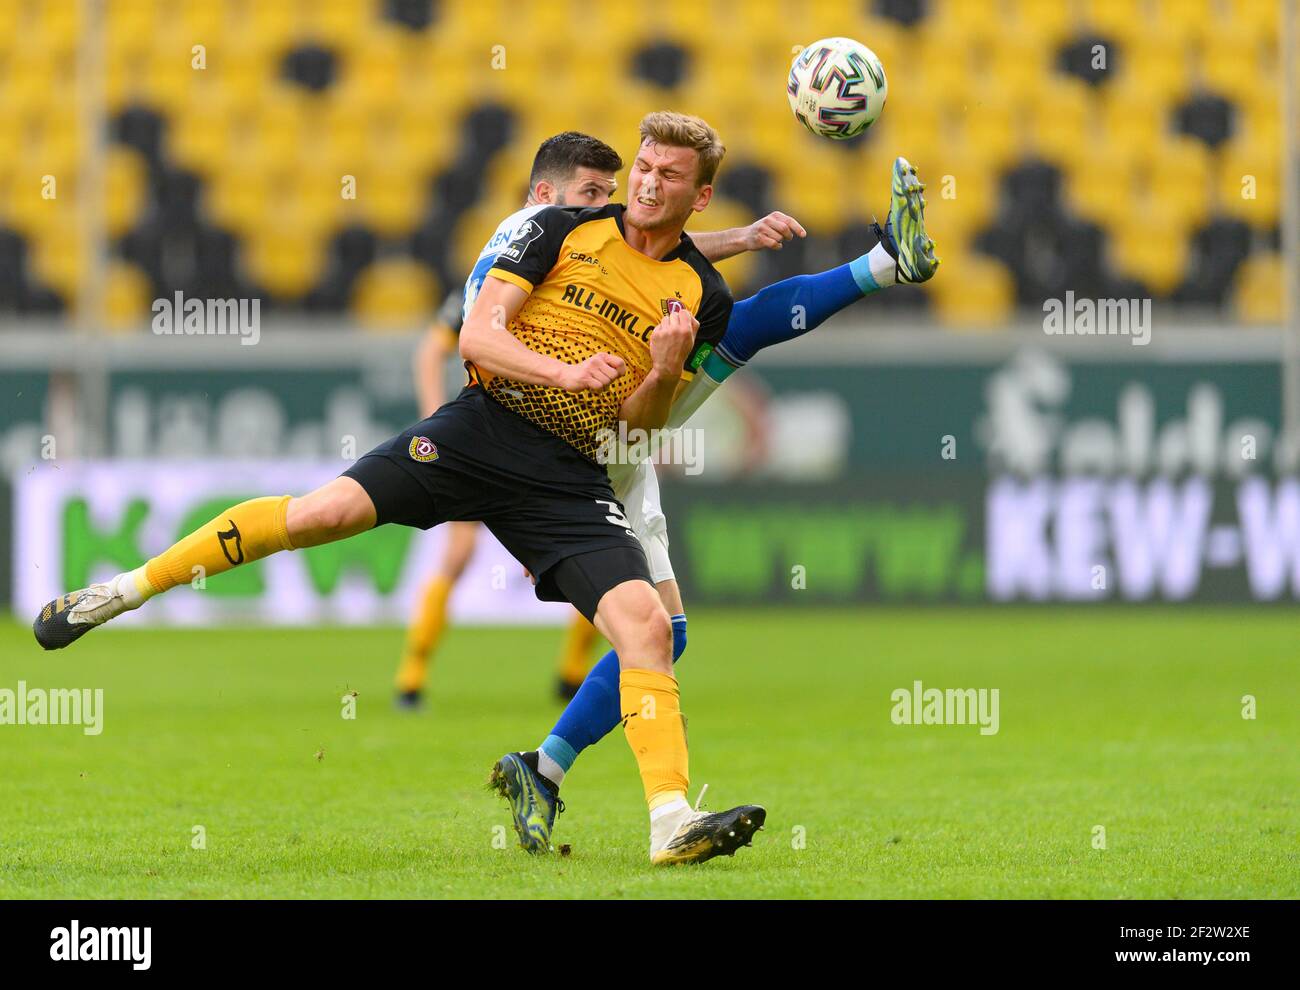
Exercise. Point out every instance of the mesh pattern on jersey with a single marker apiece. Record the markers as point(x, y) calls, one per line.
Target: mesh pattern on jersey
point(577, 418)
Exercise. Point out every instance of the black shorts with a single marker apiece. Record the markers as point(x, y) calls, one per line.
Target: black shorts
point(475, 460)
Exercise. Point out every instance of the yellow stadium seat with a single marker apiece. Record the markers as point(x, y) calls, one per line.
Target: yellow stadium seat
point(1259, 128)
point(977, 22)
point(1265, 16)
point(1159, 65)
point(972, 291)
point(338, 23)
point(57, 257)
point(198, 137)
point(1018, 64)
point(1249, 188)
point(961, 195)
point(127, 295)
point(1257, 295)
point(125, 181)
point(1134, 119)
point(1150, 244)
point(991, 128)
point(236, 200)
point(1124, 20)
point(1048, 21)
point(284, 261)
point(1063, 119)
point(1235, 65)
point(944, 59)
point(390, 200)
point(395, 294)
point(1184, 21)
point(1179, 179)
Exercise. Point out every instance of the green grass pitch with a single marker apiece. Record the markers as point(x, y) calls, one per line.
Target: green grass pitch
point(1130, 720)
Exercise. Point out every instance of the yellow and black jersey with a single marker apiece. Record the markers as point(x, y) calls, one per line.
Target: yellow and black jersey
point(589, 292)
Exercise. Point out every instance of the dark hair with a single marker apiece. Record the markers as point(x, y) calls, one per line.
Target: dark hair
point(560, 156)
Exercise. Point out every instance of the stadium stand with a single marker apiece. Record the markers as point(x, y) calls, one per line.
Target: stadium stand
point(1066, 143)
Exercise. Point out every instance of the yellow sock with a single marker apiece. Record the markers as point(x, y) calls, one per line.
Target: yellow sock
point(575, 659)
point(243, 533)
point(423, 634)
point(656, 731)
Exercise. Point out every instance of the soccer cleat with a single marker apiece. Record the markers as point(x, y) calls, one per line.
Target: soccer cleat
point(69, 617)
point(533, 804)
point(905, 236)
point(566, 690)
point(695, 836)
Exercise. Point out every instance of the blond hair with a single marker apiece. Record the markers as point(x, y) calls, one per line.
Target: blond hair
point(681, 130)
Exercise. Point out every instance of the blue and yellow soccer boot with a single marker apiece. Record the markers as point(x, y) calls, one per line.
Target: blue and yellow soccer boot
point(904, 235)
point(533, 802)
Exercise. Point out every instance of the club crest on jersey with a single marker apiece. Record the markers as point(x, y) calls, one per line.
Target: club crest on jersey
point(422, 449)
point(668, 306)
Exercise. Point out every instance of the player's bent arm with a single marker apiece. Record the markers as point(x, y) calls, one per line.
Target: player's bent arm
point(486, 342)
point(770, 231)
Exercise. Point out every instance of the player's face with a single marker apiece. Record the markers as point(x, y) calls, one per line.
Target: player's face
point(661, 189)
point(588, 187)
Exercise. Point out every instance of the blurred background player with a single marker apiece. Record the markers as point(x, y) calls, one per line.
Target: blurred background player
point(437, 350)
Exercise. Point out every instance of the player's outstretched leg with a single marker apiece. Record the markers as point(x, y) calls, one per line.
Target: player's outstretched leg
point(243, 533)
point(905, 235)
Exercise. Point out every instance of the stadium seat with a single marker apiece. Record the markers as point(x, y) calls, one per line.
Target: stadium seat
point(1149, 243)
point(127, 295)
point(976, 292)
point(282, 261)
point(1248, 187)
point(396, 294)
point(975, 92)
point(1258, 290)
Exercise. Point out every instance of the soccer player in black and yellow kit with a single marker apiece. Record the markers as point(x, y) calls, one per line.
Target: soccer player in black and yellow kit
point(589, 319)
point(569, 169)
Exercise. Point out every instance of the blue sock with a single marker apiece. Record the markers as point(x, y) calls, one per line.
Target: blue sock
point(768, 316)
point(594, 710)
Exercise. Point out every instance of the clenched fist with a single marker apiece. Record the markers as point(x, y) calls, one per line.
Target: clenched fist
point(672, 339)
point(593, 374)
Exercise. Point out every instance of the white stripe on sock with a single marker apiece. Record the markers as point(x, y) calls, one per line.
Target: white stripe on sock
point(549, 769)
point(884, 269)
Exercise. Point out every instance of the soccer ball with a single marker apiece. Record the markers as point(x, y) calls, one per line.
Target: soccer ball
point(837, 88)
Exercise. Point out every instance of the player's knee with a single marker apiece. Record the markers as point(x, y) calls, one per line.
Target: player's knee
point(655, 634)
point(329, 513)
